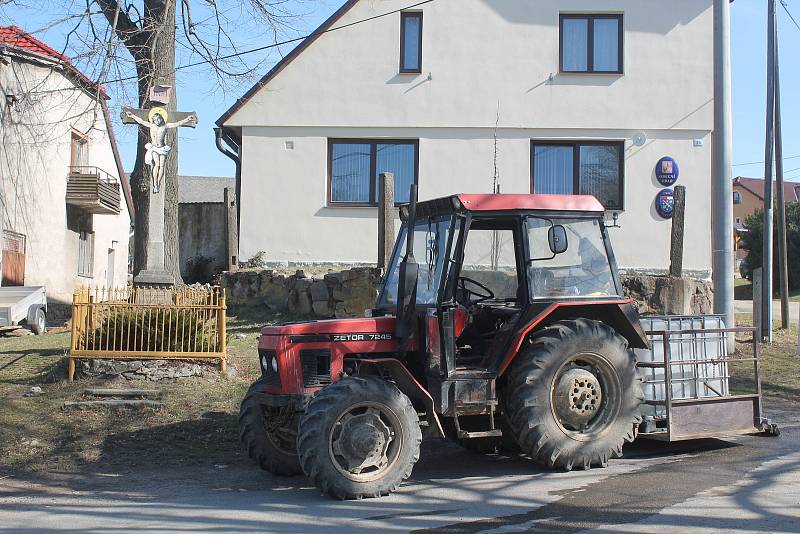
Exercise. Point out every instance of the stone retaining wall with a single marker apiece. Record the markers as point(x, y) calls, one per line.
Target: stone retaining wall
point(348, 293)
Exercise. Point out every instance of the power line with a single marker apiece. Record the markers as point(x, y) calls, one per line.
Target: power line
point(761, 162)
point(786, 8)
point(290, 41)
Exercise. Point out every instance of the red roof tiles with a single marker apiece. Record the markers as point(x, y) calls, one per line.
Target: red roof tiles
point(14, 36)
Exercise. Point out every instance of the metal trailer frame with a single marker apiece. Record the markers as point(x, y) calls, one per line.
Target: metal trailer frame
point(707, 417)
point(18, 303)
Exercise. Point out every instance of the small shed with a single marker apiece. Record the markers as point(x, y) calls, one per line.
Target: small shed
point(203, 225)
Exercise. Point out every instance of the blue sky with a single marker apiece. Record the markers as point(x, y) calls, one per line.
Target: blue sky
point(199, 156)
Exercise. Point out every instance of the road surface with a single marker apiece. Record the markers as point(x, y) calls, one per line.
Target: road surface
point(748, 484)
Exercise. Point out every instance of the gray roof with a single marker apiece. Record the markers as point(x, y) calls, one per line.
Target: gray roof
point(203, 189)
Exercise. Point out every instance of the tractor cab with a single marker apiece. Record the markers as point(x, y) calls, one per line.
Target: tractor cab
point(487, 263)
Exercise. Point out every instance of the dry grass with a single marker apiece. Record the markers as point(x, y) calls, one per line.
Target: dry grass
point(197, 423)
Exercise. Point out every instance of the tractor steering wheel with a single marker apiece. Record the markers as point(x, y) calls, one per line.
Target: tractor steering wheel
point(481, 296)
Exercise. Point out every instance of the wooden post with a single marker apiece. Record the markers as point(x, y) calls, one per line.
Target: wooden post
point(757, 285)
point(222, 332)
point(231, 229)
point(385, 220)
point(676, 242)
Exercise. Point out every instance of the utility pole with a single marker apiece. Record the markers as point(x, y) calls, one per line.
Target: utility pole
point(722, 205)
point(766, 265)
point(783, 272)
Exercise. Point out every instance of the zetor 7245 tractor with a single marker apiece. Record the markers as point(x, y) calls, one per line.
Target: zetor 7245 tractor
point(500, 322)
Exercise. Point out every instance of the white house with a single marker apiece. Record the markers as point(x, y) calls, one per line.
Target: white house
point(583, 96)
point(66, 206)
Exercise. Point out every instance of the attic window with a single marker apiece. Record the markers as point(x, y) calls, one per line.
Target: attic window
point(737, 197)
point(411, 42)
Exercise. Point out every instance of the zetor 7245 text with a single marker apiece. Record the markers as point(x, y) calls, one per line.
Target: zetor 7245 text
point(500, 323)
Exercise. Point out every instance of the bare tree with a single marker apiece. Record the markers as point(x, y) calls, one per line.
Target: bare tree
point(127, 43)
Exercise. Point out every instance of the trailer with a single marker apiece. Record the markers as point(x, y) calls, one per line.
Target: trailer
point(23, 305)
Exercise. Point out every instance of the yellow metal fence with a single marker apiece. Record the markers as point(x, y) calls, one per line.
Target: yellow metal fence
point(148, 323)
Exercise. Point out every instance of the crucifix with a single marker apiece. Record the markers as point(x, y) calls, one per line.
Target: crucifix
point(157, 120)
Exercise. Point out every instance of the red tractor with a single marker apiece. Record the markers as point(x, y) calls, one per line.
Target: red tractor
point(501, 322)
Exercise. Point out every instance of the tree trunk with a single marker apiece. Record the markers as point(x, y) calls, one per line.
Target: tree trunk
point(155, 65)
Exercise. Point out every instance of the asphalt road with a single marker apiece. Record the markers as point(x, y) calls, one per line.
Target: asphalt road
point(748, 484)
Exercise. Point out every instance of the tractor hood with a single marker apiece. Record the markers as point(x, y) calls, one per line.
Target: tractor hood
point(367, 325)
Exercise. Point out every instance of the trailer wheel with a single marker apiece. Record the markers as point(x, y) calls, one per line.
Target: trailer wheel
point(39, 324)
point(269, 435)
point(573, 395)
point(359, 438)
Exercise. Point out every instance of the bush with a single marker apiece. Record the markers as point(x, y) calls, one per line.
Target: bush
point(166, 330)
point(258, 261)
point(752, 240)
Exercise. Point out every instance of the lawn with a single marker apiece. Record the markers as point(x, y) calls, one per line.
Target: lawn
point(197, 423)
point(743, 290)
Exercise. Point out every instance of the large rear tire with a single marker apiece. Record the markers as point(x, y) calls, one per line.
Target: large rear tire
point(359, 438)
point(573, 394)
point(269, 435)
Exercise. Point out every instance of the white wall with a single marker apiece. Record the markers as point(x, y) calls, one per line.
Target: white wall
point(36, 134)
point(480, 57)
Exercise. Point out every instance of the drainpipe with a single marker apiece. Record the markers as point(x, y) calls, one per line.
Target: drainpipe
point(222, 137)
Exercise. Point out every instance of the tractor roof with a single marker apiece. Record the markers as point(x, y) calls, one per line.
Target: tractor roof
point(503, 202)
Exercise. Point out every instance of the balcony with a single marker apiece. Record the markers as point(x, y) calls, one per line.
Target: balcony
point(93, 190)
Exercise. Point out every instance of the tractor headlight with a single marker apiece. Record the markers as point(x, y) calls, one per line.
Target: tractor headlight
point(264, 363)
point(275, 364)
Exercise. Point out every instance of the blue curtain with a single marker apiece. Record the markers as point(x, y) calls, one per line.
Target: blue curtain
point(411, 40)
point(400, 160)
point(350, 167)
point(575, 37)
point(600, 174)
point(606, 45)
point(553, 170)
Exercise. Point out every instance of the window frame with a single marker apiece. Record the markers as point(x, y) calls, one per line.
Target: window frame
point(404, 15)
point(590, 18)
point(576, 163)
point(373, 171)
point(88, 256)
point(737, 198)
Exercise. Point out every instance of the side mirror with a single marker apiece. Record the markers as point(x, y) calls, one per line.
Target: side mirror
point(557, 237)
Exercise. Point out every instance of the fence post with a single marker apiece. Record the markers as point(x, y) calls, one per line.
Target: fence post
point(676, 241)
point(385, 219)
point(223, 333)
point(757, 281)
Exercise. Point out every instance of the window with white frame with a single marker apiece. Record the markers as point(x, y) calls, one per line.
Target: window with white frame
point(85, 253)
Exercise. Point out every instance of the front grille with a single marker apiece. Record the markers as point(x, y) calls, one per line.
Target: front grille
point(269, 377)
point(316, 364)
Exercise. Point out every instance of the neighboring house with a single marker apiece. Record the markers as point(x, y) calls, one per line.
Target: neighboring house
point(66, 206)
point(748, 196)
point(202, 225)
point(566, 96)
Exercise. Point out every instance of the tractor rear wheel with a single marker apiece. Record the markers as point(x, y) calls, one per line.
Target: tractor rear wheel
point(359, 438)
point(269, 435)
point(573, 394)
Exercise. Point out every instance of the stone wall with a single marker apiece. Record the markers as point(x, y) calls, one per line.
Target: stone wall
point(338, 294)
point(348, 293)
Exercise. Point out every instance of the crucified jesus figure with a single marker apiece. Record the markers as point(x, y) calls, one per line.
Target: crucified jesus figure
point(157, 151)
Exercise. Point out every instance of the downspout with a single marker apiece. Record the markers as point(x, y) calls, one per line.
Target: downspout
point(236, 156)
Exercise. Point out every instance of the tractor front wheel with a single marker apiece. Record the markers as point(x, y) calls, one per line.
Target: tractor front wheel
point(269, 435)
point(573, 394)
point(359, 438)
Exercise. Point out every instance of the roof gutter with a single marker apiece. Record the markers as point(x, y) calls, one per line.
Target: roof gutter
point(232, 148)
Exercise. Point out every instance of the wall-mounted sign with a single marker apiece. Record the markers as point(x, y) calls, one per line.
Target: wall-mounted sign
point(665, 203)
point(667, 171)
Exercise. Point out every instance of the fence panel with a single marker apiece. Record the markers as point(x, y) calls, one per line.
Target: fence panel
point(148, 323)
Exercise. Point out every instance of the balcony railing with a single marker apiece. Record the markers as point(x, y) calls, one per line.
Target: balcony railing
point(93, 190)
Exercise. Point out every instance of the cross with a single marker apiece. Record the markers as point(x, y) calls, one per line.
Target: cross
point(156, 120)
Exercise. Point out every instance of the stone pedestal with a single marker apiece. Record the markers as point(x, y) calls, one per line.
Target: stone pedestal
point(154, 274)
